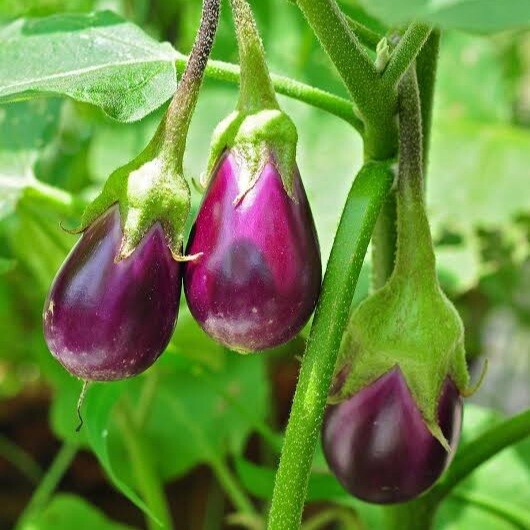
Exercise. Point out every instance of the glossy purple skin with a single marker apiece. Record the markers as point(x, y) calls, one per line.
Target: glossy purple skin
point(105, 320)
point(258, 280)
point(378, 446)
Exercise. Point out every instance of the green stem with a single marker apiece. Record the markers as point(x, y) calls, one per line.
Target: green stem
point(414, 254)
point(364, 201)
point(147, 479)
point(342, 45)
point(256, 92)
point(384, 242)
point(482, 449)
point(405, 52)
point(365, 35)
point(173, 129)
point(426, 64)
point(231, 486)
point(377, 104)
point(49, 483)
point(230, 73)
point(12, 453)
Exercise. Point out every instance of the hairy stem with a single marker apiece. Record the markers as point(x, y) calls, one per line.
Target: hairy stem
point(376, 104)
point(342, 45)
point(256, 90)
point(384, 242)
point(174, 127)
point(414, 244)
point(340, 107)
point(366, 36)
point(351, 241)
point(405, 53)
point(426, 64)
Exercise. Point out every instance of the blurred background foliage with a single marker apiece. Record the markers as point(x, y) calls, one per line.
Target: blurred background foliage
point(200, 404)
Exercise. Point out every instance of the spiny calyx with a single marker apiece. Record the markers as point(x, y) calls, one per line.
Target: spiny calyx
point(256, 138)
point(149, 189)
point(408, 326)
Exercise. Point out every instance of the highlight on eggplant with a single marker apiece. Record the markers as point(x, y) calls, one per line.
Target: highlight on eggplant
point(258, 279)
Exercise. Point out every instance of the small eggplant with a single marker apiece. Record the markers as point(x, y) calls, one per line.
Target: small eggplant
point(106, 319)
point(378, 445)
point(258, 279)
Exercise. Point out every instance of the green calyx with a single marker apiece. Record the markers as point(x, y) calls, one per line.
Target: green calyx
point(255, 139)
point(405, 325)
point(257, 132)
point(149, 189)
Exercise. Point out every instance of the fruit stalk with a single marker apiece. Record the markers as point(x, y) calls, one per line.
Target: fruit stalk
point(174, 127)
point(414, 254)
point(256, 90)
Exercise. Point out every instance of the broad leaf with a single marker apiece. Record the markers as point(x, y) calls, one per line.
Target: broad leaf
point(200, 413)
point(481, 16)
point(97, 58)
point(100, 402)
point(66, 512)
point(25, 128)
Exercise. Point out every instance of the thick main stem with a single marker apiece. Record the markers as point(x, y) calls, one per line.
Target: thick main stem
point(347, 254)
point(256, 90)
point(376, 104)
point(174, 127)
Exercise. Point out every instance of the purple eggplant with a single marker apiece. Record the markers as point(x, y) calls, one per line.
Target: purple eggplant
point(107, 320)
point(378, 445)
point(258, 279)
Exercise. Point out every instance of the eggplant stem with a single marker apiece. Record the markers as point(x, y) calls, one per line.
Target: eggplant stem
point(80, 402)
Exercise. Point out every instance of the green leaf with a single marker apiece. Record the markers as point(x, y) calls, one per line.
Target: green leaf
point(68, 511)
point(6, 265)
point(25, 129)
point(480, 16)
point(97, 58)
point(200, 413)
point(495, 496)
point(100, 402)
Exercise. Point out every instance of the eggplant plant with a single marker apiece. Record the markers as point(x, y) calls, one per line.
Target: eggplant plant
point(378, 429)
